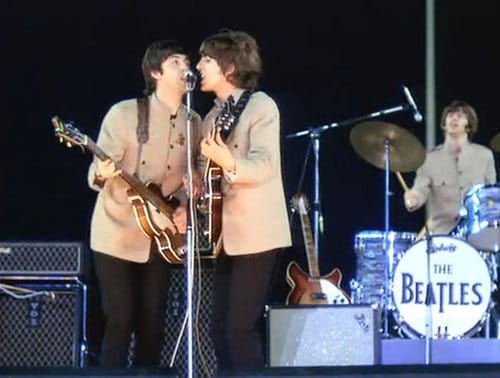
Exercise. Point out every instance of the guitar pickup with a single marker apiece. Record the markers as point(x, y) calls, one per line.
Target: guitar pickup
point(319, 296)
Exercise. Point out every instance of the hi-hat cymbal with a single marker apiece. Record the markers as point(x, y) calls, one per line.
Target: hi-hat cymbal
point(495, 143)
point(405, 151)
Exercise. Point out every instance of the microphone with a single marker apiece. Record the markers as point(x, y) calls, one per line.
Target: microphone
point(189, 75)
point(416, 114)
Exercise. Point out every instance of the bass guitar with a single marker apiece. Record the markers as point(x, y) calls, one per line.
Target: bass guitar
point(311, 288)
point(153, 212)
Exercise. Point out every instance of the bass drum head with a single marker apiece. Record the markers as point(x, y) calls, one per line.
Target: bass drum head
point(460, 289)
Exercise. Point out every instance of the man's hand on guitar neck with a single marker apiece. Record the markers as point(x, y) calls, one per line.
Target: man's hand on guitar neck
point(216, 150)
point(106, 169)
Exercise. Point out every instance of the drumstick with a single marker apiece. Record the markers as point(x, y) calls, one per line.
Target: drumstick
point(402, 181)
point(423, 230)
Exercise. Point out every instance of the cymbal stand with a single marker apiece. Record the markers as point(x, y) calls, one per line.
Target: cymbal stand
point(314, 134)
point(387, 256)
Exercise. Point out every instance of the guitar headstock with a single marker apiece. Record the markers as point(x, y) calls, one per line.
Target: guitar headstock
point(225, 120)
point(67, 133)
point(300, 203)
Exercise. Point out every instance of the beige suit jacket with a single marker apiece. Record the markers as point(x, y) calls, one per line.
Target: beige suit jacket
point(255, 217)
point(445, 177)
point(114, 230)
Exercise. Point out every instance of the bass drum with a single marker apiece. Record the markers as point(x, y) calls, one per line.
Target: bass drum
point(459, 293)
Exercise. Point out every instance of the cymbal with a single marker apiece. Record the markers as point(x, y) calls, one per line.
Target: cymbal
point(495, 143)
point(406, 153)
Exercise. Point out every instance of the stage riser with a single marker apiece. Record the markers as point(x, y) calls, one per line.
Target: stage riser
point(464, 351)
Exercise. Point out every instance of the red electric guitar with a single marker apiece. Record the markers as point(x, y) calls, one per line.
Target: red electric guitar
point(312, 288)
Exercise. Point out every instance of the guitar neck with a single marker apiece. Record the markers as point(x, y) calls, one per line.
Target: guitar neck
point(312, 260)
point(133, 181)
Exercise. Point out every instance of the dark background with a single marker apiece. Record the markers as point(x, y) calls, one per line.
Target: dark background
point(324, 62)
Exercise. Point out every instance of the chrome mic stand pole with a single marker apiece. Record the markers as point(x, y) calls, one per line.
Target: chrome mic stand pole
point(428, 302)
point(190, 84)
point(314, 134)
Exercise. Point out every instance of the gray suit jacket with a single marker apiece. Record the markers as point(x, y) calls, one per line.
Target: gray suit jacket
point(255, 217)
point(114, 230)
point(445, 177)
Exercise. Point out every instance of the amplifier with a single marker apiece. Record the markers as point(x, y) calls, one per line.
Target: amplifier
point(204, 359)
point(41, 259)
point(323, 335)
point(42, 325)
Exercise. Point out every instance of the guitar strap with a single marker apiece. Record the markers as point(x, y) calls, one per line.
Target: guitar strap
point(142, 128)
point(235, 112)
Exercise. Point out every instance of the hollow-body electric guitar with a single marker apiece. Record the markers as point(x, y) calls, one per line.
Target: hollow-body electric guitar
point(211, 200)
point(312, 288)
point(153, 212)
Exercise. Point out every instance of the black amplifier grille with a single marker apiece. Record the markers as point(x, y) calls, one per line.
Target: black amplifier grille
point(46, 329)
point(41, 258)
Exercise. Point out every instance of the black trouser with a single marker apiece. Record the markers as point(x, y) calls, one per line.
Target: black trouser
point(133, 300)
point(241, 286)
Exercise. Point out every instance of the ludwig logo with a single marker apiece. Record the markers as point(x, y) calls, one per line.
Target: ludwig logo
point(442, 247)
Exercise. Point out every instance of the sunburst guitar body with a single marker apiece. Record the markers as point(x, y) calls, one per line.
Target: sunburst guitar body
point(311, 288)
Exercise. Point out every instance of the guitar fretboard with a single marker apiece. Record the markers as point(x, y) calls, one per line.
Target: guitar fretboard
point(312, 260)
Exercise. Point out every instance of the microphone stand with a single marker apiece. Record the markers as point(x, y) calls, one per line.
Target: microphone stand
point(314, 134)
point(428, 304)
point(190, 84)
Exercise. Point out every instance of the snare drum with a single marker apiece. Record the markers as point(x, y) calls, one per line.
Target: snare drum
point(460, 289)
point(371, 262)
point(481, 221)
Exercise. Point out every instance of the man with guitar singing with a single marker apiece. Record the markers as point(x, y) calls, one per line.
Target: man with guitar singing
point(242, 137)
point(147, 140)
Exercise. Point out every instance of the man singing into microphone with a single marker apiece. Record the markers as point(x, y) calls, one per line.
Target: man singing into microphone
point(133, 277)
point(450, 169)
point(254, 215)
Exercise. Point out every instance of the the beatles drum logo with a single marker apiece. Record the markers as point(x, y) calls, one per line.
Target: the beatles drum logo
point(458, 292)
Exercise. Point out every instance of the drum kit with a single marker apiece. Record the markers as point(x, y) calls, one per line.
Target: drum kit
point(439, 286)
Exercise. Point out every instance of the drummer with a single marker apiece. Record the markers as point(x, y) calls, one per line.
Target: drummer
point(450, 169)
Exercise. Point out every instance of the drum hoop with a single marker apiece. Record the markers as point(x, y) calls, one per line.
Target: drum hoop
point(411, 332)
point(380, 234)
point(475, 188)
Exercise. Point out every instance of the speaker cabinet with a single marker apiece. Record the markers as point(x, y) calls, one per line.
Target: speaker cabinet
point(204, 361)
point(40, 259)
point(324, 335)
point(42, 325)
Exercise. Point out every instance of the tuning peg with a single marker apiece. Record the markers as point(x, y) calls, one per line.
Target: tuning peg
point(69, 145)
